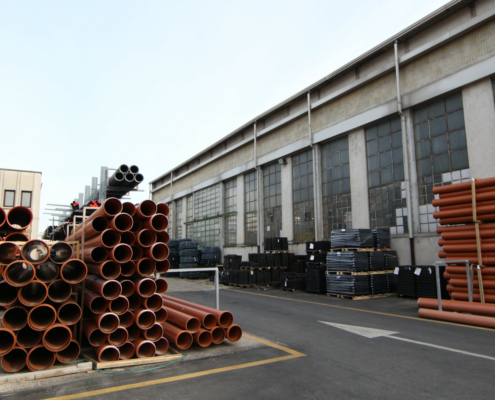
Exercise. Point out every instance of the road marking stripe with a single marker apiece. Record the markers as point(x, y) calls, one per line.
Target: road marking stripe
point(293, 354)
point(367, 311)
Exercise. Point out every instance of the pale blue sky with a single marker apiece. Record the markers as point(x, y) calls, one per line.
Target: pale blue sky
point(91, 83)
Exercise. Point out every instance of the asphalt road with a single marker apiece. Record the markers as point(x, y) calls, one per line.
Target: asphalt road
point(336, 363)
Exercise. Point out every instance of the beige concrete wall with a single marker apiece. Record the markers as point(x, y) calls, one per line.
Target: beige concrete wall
point(286, 134)
point(359, 179)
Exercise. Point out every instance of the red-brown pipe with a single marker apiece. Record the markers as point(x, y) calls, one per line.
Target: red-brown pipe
point(163, 237)
point(7, 340)
point(19, 273)
point(464, 212)
point(472, 260)
point(19, 218)
point(463, 282)
point(218, 334)
point(457, 187)
point(121, 253)
point(60, 252)
point(110, 290)
point(462, 228)
point(144, 348)
point(73, 271)
point(181, 338)
point(107, 352)
point(451, 288)
point(145, 287)
point(127, 351)
point(95, 302)
point(135, 302)
point(137, 225)
point(118, 337)
point(184, 321)
point(461, 206)
point(15, 360)
point(145, 209)
point(146, 238)
point(476, 320)
point(468, 248)
point(109, 269)
point(94, 335)
point(465, 192)
point(233, 333)
point(69, 313)
point(126, 319)
point(8, 294)
point(128, 287)
point(462, 270)
point(448, 275)
point(47, 272)
point(129, 208)
point(137, 253)
point(224, 318)
point(145, 267)
point(468, 234)
point(208, 320)
point(70, 353)
point(442, 242)
point(161, 285)
point(161, 267)
point(33, 293)
point(161, 346)
point(157, 223)
point(108, 239)
point(203, 338)
point(59, 291)
point(144, 319)
point(57, 337)
point(3, 218)
point(134, 332)
point(489, 298)
point(162, 208)
point(153, 303)
point(15, 317)
point(41, 317)
point(121, 222)
point(108, 209)
point(161, 315)
point(16, 237)
point(119, 306)
point(35, 251)
point(154, 333)
point(9, 252)
point(459, 306)
point(107, 322)
point(128, 268)
point(28, 338)
point(463, 220)
point(95, 255)
point(92, 228)
point(157, 252)
point(128, 238)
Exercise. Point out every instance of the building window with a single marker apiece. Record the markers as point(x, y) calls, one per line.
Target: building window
point(178, 218)
point(302, 186)
point(441, 151)
point(206, 228)
point(26, 199)
point(230, 209)
point(336, 186)
point(272, 196)
point(189, 214)
point(251, 210)
point(387, 188)
point(9, 198)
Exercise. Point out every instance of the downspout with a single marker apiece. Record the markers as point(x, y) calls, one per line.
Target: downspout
point(171, 183)
point(315, 169)
point(257, 168)
point(406, 158)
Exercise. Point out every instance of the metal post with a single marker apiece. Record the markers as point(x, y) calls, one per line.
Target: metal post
point(217, 290)
point(439, 288)
point(469, 275)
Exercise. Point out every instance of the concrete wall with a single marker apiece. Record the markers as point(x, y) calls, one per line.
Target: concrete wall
point(287, 201)
point(359, 179)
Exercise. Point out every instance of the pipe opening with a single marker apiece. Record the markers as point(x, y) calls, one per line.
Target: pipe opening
point(33, 293)
point(137, 225)
point(145, 266)
point(118, 337)
point(9, 252)
point(129, 177)
point(234, 333)
point(69, 313)
point(19, 273)
point(8, 294)
point(126, 319)
point(139, 178)
point(159, 251)
point(146, 237)
point(59, 291)
point(19, 218)
point(137, 253)
point(147, 208)
point(112, 206)
point(161, 346)
point(110, 270)
point(204, 338)
point(145, 349)
point(109, 354)
point(134, 302)
point(97, 338)
point(154, 333)
point(162, 267)
point(128, 238)
point(209, 321)
point(98, 305)
point(16, 237)
point(128, 288)
point(100, 224)
point(226, 319)
point(119, 306)
point(111, 290)
point(154, 302)
point(161, 315)
point(108, 323)
point(122, 253)
point(162, 208)
point(110, 238)
point(122, 222)
point(218, 335)
point(60, 252)
point(134, 169)
point(28, 338)
point(124, 168)
point(74, 271)
point(129, 208)
point(7, 341)
point(35, 251)
point(128, 268)
point(159, 222)
point(57, 337)
point(15, 360)
point(146, 287)
point(193, 325)
point(163, 237)
point(134, 332)
point(126, 351)
point(47, 272)
point(161, 286)
point(184, 340)
point(99, 254)
point(70, 353)
point(145, 319)
point(118, 176)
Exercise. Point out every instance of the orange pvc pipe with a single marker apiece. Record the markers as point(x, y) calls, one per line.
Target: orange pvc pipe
point(462, 206)
point(233, 333)
point(465, 192)
point(462, 212)
point(468, 248)
point(464, 282)
point(460, 306)
point(476, 320)
point(203, 338)
point(108, 238)
point(471, 234)
point(478, 183)
point(463, 220)
point(462, 270)
point(184, 321)
point(463, 199)
point(448, 275)
point(464, 289)
point(208, 320)
point(181, 338)
point(92, 228)
point(462, 228)
point(108, 209)
point(474, 260)
point(489, 298)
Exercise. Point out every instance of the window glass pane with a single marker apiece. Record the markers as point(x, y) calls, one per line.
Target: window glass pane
point(455, 120)
point(371, 133)
point(459, 159)
point(441, 164)
point(372, 147)
point(438, 126)
point(421, 131)
point(386, 176)
point(373, 163)
point(454, 102)
point(385, 159)
point(398, 155)
point(397, 139)
point(457, 140)
point(9, 198)
point(424, 167)
point(436, 109)
point(423, 149)
point(439, 145)
point(384, 128)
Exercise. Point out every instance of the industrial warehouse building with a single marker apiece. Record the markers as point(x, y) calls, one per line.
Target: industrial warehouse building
point(341, 154)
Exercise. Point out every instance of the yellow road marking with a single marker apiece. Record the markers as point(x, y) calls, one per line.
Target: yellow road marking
point(293, 354)
point(367, 311)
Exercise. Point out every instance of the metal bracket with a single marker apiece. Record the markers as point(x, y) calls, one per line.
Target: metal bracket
point(468, 273)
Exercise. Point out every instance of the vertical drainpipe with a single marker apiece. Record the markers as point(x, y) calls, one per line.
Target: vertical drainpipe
point(315, 169)
point(258, 214)
point(171, 183)
point(405, 156)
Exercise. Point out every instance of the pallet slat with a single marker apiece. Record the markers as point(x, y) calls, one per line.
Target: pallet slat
point(91, 355)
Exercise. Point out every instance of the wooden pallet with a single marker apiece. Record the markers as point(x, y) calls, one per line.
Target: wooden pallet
point(290, 289)
point(276, 251)
point(363, 297)
point(171, 355)
point(57, 370)
point(239, 285)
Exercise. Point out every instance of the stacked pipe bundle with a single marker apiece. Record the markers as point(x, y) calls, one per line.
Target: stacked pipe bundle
point(124, 246)
point(14, 222)
point(469, 209)
point(126, 176)
point(37, 327)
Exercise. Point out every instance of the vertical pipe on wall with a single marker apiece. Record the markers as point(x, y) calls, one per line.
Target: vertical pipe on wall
point(405, 156)
point(258, 177)
point(316, 172)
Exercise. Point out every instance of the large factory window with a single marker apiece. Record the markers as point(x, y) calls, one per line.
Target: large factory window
point(272, 196)
point(171, 219)
point(387, 188)
point(441, 151)
point(189, 214)
point(230, 206)
point(302, 186)
point(178, 218)
point(251, 209)
point(336, 186)
point(206, 226)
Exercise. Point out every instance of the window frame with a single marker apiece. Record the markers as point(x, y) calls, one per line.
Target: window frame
point(5, 197)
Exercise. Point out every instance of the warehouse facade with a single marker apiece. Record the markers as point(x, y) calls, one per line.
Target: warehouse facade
point(361, 148)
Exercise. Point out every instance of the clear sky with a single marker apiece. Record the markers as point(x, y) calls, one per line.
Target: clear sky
point(104, 82)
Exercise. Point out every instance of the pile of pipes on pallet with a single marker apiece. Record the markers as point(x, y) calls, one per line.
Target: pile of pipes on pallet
point(126, 176)
point(37, 327)
point(14, 222)
point(468, 211)
point(128, 314)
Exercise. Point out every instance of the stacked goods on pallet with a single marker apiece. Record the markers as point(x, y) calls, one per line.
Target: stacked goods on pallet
point(211, 257)
point(38, 325)
point(189, 258)
point(293, 281)
point(189, 322)
point(316, 279)
point(124, 312)
point(378, 284)
point(316, 264)
point(277, 243)
point(406, 287)
point(469, 208)
point(322, 245)
point(349, 285)
point(14, 223)
point(297, 264)
point(348, 261)
point(174, 256)
point(352, 238)
point(426, 283)
point(381, 238)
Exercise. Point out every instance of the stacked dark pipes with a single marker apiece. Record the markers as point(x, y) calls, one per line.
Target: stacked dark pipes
point(469, 211)
point(37, 327)
point(126, 176)
point(14, 222)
